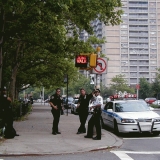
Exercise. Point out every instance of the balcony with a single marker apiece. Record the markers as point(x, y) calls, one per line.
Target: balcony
point(138, 40)
point(138, 28)
point(139, 34)
point(138, 5)
point(138, 17)
point(137, 11)
point(138, 22)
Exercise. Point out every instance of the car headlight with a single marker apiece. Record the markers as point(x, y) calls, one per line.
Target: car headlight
point(156, 120)
point(123, 120)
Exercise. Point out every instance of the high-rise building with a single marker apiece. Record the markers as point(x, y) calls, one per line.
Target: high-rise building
point(133, 47)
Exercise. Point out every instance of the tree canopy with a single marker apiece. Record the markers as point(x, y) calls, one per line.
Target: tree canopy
point(39, 39)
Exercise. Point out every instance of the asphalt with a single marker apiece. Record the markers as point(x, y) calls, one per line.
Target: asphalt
point(36, 136)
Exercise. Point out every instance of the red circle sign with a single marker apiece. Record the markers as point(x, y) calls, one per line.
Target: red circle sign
point(101, 65)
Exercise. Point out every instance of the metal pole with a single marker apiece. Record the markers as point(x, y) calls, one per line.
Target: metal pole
point(67, 95)
point(43, 96)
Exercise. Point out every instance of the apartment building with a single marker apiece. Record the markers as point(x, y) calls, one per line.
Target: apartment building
point(133, 48)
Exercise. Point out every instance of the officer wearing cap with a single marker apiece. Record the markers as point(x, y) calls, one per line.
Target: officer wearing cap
point(56, 103)
point(96, 117)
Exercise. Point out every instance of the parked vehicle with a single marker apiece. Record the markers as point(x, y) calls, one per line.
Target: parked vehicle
point(74, 106)
point(150, 100)
point(70, 100)
point(130, 116)
point(157, 102)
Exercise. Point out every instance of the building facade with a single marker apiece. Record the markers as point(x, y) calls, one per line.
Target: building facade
point(133, 48)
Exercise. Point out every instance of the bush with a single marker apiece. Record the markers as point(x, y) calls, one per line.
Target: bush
point(20, 109)
point(154, 105)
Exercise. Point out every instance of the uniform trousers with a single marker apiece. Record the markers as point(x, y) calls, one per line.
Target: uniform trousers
point(94, 121)
point(82, 117)
point(56, 117)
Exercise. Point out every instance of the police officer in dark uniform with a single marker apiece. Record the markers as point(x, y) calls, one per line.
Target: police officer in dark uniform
point(96, 117)
point(7, 115)
point(56, 103)
point(82, 109)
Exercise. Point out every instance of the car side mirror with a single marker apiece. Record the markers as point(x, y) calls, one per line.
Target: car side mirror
point(109, 110)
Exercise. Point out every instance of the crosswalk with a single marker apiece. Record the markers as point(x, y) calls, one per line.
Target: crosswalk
point(123, 155)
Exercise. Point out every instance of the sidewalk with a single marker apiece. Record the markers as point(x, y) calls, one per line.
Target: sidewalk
point(36, 138)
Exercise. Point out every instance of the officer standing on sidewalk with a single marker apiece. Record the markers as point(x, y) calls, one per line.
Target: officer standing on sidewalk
point(56, 103)
point(96, 117)
point(82, 109)
point(7, 117)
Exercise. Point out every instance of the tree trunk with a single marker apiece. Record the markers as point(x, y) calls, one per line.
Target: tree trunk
point(13, 83)
point(2, 23)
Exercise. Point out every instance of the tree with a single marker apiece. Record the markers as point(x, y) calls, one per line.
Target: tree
point(145, 88)
point(36, 30)
point(120, 84)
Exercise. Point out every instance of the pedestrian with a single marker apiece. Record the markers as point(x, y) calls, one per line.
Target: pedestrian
point(82, 109)
point(7, 115)
point(31, 99)
point(56, 103)
point(96, 117)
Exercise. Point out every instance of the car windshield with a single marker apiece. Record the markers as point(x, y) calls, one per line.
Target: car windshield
point(76, 101)
point(70, 99)
point(131, 107)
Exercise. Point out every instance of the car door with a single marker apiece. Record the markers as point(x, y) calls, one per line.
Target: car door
point(106, 115)
point(110, 114)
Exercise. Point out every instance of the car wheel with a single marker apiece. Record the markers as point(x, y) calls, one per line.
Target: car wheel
point(102, 123)
point(116, 130)
point(155, 133)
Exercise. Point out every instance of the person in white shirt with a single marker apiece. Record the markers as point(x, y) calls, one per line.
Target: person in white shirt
point(96, 117)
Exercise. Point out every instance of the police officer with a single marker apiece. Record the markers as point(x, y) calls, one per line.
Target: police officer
point(96, 117)
point(7, 115)
point(56, 103)
point(82, 109)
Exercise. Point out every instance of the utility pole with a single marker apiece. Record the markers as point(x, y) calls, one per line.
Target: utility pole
point(98, 76)
point(66, 81)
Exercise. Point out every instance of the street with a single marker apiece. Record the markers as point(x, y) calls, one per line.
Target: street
point(134, 147)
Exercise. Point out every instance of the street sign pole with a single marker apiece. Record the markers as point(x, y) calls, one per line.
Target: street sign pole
point(66, 81)
point(137, 87)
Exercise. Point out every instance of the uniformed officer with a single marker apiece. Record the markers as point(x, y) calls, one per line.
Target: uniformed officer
point(82, 108)
point(96, 117)
point(56, 103)
point(7, 118)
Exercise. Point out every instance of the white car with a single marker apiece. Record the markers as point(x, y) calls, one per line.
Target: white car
point(130, 116)
point(74, 106)
point(157, 102)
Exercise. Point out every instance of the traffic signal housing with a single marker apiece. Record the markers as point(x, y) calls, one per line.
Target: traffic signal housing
point(81, 61)
point(93, 60)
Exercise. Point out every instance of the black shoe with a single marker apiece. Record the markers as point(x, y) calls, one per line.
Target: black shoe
point(54, 133)
point(16, 134)
point(87, 136)
point(96, 138)
point(79, 132)
point(58, 132)
point(84, 132)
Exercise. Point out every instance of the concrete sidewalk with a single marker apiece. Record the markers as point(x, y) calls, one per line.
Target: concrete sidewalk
point(36, 138)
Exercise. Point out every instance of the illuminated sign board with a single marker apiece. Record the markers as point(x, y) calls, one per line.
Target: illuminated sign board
point(81, 61)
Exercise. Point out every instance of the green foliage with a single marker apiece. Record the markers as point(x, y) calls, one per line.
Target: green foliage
point(41, 38)
point(80, 82)
point(145, 89)
point(120, 84)
point(154, 106)
point(16, 109)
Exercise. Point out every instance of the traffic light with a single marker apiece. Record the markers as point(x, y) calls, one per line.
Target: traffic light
point(93, 60)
